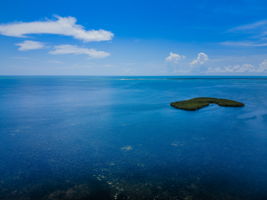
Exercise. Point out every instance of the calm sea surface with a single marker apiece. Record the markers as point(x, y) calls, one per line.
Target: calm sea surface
point(79, 138)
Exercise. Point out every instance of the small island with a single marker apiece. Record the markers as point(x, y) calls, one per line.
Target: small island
point(200, 102)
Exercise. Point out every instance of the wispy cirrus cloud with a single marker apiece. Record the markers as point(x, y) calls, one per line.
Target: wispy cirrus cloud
point(255, 35)
point(66, 26)
point(245, 43)
point(72, 49)
point(30, 45)
point(251, 26)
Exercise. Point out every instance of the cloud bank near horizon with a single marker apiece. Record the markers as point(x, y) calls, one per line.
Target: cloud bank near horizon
point(215, 66)
point(240, 68)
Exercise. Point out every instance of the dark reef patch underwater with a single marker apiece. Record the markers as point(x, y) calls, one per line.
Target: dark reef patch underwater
point(114, 138)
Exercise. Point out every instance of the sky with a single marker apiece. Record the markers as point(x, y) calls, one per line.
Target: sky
point(139, 37)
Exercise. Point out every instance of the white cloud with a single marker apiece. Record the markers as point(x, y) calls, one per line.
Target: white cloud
point(263, 66)
point(233, 69)
point(201, 59)
point(243, 68)
point(71, 49)
point(30, 45)
point(61, 26)
point(255, 32)
point(174, 58)
point(245, 44)
point(255, 25)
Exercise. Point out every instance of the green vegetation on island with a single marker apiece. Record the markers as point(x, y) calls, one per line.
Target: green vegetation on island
point(200, 102)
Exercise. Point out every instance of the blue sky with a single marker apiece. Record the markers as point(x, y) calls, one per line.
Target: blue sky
point(133, 37)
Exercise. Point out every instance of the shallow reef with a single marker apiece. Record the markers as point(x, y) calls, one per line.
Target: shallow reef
point(200, 102)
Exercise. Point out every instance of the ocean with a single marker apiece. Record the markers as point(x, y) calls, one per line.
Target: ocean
point(82, 137)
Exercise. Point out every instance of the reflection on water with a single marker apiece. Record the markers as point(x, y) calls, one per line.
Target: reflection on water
point(117, 138)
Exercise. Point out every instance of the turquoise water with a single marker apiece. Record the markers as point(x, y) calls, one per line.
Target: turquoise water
point(118, 138)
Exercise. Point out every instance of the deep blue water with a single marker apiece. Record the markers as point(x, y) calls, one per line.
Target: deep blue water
point(118, 138)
